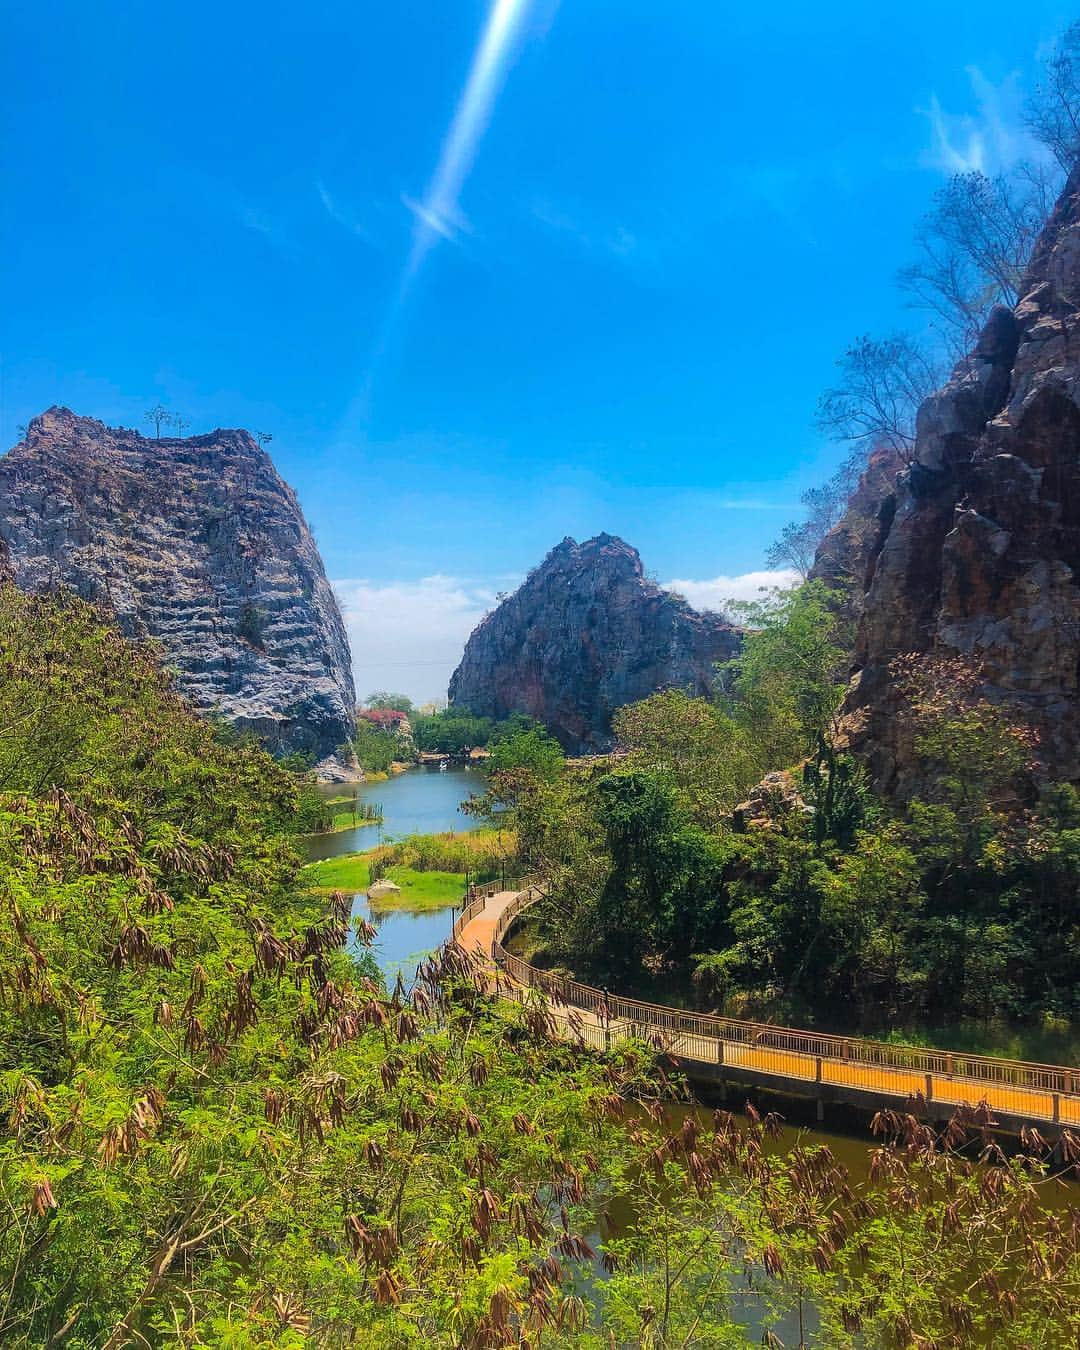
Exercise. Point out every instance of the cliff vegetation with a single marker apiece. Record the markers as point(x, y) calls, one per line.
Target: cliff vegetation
point(220, 1129)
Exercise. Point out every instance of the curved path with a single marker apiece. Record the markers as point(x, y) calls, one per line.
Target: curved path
point(721, 1050)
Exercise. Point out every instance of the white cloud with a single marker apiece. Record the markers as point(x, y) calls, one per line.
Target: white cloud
point(336, 212)
point(989, 140)
point(409, 635)
point(588, 235)
point(956, 145)
point(716, 593)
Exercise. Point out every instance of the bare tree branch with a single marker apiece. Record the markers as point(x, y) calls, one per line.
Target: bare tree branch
point(974, 245)
point(1052, 114)
point(882, 383)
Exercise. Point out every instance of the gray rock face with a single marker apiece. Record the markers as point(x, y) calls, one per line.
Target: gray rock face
point(846, 553)
point(584, 635)
point(199, 544)
point(978, 557)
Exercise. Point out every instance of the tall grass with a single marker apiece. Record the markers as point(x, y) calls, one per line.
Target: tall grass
point(481, 853)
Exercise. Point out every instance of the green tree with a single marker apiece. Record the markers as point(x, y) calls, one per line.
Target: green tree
point(529, 754)
point(384, 699)
point(701, 750)
point(973, 755)
point(450, 732)
point(779, 955)
point(376, 750)
point(785, 687)
point(872, 912)
point(664, 897)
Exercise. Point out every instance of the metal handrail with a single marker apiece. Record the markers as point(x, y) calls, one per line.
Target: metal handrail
point(659, 1018)
point(478, 896)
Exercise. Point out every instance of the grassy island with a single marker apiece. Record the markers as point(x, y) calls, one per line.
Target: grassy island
point(419, 890)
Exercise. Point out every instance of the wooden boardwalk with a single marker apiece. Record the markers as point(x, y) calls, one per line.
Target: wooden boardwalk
point(723, 1050)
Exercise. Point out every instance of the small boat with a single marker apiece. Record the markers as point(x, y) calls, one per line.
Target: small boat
point(444, 764)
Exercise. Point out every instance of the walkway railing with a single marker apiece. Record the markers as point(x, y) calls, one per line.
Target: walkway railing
point(790, 1052)
point(474, 905)
point(478, 896)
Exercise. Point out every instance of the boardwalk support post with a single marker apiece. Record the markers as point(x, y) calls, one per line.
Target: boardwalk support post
point(719, 1051)
point(817, 1069)
point(929, 1087)
point(1056, 1099)
point(820, 1109)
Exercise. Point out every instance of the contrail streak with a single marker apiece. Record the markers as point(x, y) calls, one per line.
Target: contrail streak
point(438, 214)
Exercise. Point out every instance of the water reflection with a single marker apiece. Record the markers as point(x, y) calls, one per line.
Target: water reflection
point(421, 801)
point(403, 937)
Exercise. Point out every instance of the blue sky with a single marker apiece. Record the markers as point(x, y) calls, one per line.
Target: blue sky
point(607, 297)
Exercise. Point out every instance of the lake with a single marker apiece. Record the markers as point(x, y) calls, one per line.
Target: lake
point(419, 801)
point(425, 801)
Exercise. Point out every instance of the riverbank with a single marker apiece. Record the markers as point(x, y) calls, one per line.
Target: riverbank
point(419, 891)
point(344, 818)
point(384, 775)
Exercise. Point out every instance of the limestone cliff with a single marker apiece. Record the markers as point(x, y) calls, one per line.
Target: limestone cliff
point(199, 544)
point(846, 554)
point(978, 554)
point(585, 634)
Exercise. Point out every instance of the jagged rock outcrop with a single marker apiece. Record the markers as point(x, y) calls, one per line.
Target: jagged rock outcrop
point(199, 544)
point(585, 634)
point(978, 556)
point(770, 804)
point(846, 554)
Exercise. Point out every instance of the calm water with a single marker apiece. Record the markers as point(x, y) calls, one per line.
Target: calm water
point(421, 801)
point(427, 801)
point(404, 938)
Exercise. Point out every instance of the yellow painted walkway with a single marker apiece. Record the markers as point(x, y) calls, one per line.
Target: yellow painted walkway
point(582, 1013)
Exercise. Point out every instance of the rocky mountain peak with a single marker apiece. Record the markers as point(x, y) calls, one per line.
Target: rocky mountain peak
point(199, 544)
point(585, 634)
point(978, 556)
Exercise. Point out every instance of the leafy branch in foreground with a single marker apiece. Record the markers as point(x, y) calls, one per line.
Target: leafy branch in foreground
point(219, 1128)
